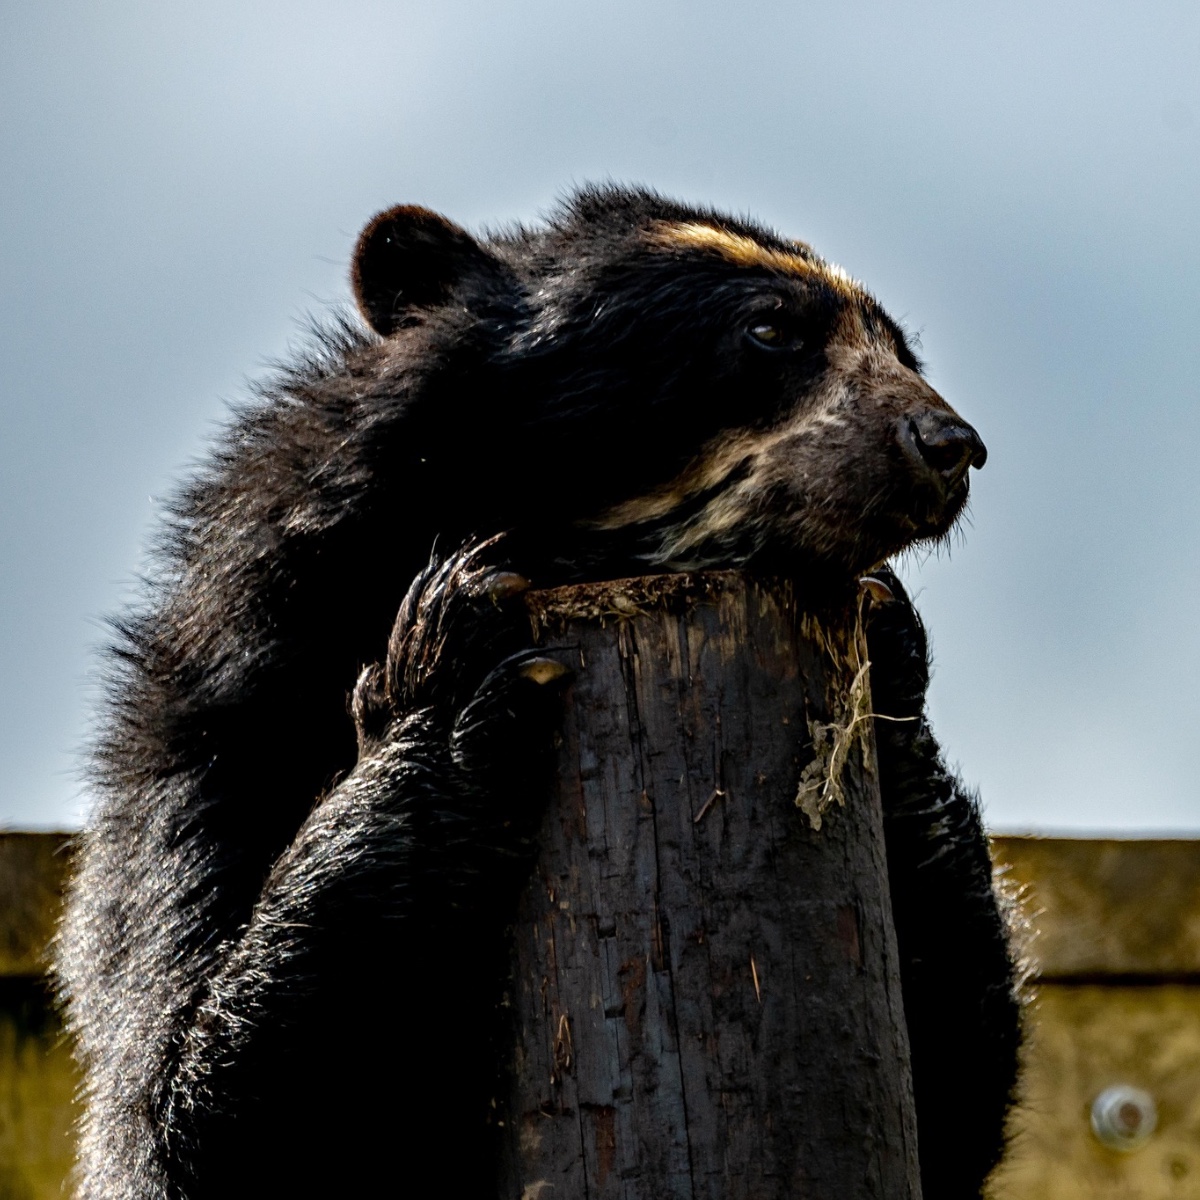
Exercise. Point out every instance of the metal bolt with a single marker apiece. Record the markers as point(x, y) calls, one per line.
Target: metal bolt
point(1124, 1117)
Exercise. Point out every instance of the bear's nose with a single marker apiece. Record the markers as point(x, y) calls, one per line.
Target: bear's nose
point(946, 443)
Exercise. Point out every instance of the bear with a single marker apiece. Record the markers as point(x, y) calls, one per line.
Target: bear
point(325, 725)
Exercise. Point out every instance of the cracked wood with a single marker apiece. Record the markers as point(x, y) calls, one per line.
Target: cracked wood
point(705, 1000)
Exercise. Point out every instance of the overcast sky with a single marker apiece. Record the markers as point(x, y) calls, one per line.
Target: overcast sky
point(181, 183)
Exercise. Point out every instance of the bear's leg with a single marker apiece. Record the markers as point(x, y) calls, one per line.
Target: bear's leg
point(957, 969)
point(343, 1046)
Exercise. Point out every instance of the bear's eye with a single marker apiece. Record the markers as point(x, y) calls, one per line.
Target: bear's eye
point(773, 334)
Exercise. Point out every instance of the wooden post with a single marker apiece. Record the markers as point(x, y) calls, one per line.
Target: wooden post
point(705, 989)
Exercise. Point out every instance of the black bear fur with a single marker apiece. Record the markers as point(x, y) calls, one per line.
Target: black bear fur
point(285, 936)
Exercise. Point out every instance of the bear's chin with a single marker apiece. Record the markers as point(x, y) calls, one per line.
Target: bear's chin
point(928, 519)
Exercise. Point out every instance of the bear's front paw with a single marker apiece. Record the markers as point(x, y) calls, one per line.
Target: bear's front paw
point(464, 685)
point(897, 647)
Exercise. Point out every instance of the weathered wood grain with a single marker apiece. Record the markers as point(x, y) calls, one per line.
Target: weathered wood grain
point(705, 993)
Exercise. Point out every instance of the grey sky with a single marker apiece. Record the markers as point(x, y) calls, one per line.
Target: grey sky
point(1019, 182)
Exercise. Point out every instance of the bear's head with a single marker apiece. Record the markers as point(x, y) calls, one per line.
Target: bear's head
point(658, 387)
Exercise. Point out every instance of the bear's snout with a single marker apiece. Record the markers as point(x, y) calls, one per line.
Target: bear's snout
point(939, 440)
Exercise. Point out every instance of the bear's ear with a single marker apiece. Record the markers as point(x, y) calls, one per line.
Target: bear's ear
point(409, 258)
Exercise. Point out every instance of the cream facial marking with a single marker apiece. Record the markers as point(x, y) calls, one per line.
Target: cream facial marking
point(851, 353)
point(738, 467)
point(714, 465)
point(717, 503)
point(746, 252)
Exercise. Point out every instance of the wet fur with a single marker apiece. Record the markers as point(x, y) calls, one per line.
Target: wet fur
point(284, 940)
